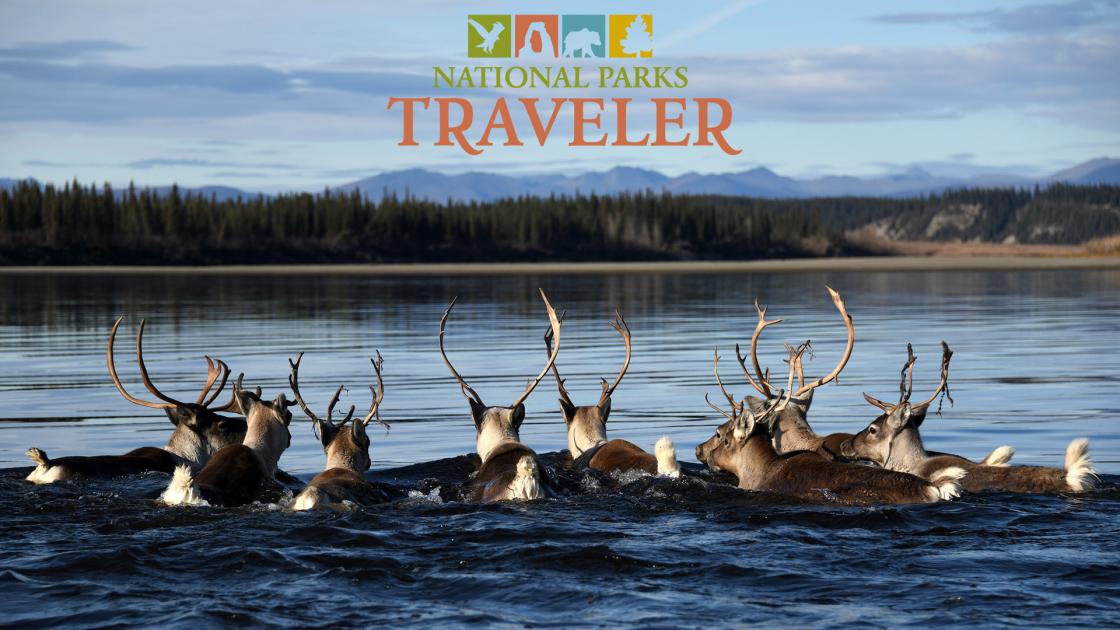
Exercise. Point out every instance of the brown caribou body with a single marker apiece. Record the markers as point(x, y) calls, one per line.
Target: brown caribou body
point(508, 469)
point(743, 446)
point(342, 483)
point(587, 426)
point(893, 441)
point(236, 475)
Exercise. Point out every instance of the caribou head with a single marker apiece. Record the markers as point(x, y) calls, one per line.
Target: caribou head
point(874, 443)
point(587, 424)
point(346, 447)
point(199, 430)
point(496, 425)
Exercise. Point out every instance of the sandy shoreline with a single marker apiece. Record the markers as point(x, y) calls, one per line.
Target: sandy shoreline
point(881, 264)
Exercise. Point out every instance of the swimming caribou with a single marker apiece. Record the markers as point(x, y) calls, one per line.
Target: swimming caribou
point(743, 446)
point(587, 426)
point(341, 484)
point(237, 474)
point(508, 468)
point(892, 440)
point(199, 430)
point(791, 431)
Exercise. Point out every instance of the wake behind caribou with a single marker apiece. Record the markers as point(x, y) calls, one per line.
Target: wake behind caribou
point(766, 444)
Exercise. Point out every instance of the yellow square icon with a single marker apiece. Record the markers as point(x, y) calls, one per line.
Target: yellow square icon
point(631, 36)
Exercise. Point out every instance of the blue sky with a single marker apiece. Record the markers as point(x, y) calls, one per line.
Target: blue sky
point(292, 95)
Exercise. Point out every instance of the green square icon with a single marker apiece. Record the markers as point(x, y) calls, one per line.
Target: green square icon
point(489, 36)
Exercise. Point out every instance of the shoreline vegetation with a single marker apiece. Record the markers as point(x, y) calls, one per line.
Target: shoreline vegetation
point(76, 225)
point(800, 265)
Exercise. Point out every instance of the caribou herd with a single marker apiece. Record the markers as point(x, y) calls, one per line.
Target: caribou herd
point(766, 442)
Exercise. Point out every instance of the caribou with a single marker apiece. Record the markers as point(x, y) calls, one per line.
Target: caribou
point(893, 441)
point(791, 430)
point(743, 446)
point(508, 469)
point(199, 430)
point(237, 474)
point(341, 484)
point(587, 425)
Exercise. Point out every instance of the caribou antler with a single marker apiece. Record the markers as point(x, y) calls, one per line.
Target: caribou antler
point(943, 386)
point(715, 370)
point(551, 357)
point(556, 370)
point(619, 324)
point(117, 381)
point(293, 382)
point(761, 385)
point(906, 380)
point(378, 393)
point(215, 370)
point(463, 387)
point(144, 370)
point(225, 372)
point(735, 406)
point(831, 376)
point(906, 390)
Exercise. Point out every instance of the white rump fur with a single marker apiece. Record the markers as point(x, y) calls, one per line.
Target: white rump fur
point(307, 500)
point(526, 485)
point(44, 472)
point(999, 457)
point(666, 453)
point(946, 484)
point(1080, 474)
point(181, 490)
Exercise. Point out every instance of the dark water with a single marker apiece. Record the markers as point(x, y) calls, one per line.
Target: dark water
point(1036, 364)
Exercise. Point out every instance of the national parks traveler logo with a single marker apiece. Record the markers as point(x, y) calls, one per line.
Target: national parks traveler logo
point(535, 36)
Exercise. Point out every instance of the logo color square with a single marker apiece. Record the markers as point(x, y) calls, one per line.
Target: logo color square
point(631, 36)
point(585, 36)
point(489, 36)
point(537, 36)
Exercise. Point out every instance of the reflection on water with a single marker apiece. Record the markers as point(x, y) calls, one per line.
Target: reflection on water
point(1036, 361)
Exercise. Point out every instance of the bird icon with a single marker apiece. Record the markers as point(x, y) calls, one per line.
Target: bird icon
point(489, 37)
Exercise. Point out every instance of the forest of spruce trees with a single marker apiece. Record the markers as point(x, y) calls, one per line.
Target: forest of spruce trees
point(76, 224)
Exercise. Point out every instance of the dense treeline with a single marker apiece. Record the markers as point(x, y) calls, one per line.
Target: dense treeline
point(78, 224)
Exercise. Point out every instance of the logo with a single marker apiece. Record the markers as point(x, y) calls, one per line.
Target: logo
point(488, 36)
point(537, 36)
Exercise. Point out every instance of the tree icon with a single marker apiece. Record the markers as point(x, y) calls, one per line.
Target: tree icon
point(638, 39)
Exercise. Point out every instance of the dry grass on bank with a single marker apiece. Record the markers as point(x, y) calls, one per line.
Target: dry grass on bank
point(871, 241)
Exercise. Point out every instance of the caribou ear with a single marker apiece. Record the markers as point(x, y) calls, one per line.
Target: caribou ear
point(322, 432)
point(518, 416)
point(757, 405)
point(805, 401)
point(744, 426)
point(605, 408)
point(359, 431)
point(245, 401)
point(477, 410)
point(918, 415)
point(568, 410)
point(899, 417)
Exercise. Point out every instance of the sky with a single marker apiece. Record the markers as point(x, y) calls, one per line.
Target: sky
point(282, 95)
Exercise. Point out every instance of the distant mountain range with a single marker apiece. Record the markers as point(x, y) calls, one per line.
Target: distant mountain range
point(757, 182)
